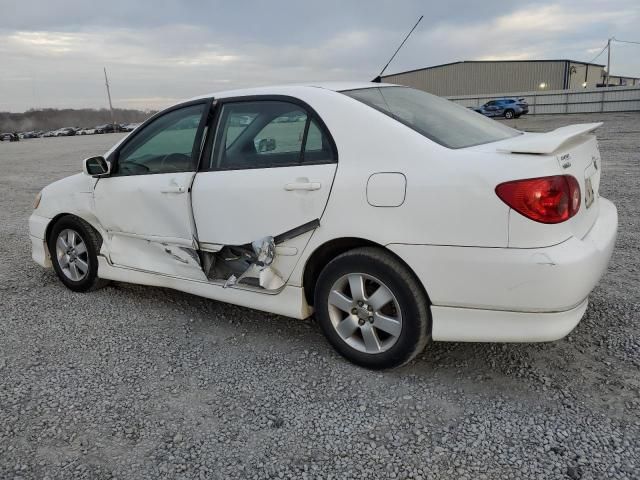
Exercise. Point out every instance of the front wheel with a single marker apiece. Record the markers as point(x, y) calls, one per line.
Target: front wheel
point(509, 114)
point(74, 247)
point(372, 309)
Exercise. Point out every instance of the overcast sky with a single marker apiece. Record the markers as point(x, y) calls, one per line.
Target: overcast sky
point(157, 52)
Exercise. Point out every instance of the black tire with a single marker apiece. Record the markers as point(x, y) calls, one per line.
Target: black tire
point(509, 114)
point(411, 298)
point(93, 242)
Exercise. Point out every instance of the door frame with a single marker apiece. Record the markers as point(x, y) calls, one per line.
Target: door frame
point(214, 121)
point(197, 150)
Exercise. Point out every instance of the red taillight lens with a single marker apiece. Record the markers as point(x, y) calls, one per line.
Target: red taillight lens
point(546, 199)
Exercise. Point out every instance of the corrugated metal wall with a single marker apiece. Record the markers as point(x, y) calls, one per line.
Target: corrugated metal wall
point(475, 78)
point(612, 99)
point(579, 73)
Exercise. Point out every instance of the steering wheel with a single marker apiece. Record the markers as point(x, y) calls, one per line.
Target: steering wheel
point(173, 157)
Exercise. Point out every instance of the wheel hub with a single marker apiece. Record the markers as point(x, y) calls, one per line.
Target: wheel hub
point(365, 313)
point(72, 255)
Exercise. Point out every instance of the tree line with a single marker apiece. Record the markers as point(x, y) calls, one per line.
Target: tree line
point(53, 118)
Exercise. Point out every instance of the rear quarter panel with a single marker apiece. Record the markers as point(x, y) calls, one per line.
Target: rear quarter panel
point(449, 200)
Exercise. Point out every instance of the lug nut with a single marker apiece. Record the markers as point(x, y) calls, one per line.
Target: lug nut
point(354, 311)
point(360, 322)
point(370, 308)
point(370, 319)
point(360, 303)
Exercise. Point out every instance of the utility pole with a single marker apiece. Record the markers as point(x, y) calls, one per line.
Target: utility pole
point(106, 82)
point(606, 84)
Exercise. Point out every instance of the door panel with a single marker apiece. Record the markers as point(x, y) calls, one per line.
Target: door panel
point(145, 205)
point(270, 171)
point(148, 206)
point(235, 207)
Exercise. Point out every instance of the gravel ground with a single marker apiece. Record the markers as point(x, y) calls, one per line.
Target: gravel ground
point(136, 382)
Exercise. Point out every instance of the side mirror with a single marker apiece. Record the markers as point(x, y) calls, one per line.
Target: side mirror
point(96, 166)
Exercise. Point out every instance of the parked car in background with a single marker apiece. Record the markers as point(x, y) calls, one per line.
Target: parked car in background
point(455, 228)
point(504, 107)
point(86, 131)
point(50, 133)
point(29, 135)
point(108, 128)
point(9, 137)
point(65, 132)
point(129, 127)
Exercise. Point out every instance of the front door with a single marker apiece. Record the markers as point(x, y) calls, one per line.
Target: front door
point(145, 204)
point(269, 172)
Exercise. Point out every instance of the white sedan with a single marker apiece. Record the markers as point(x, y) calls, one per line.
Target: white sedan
point(394, 215)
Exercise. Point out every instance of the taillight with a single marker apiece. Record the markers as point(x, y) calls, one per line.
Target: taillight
point(545, 199)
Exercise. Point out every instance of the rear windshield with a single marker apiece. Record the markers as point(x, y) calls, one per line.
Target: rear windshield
point(440, 120)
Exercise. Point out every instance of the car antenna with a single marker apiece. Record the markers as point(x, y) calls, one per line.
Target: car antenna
point(378, 79)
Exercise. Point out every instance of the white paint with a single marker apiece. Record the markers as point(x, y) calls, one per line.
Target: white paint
point(386, 189)
point(450, 227)
point(471, 325)
point(546, 143)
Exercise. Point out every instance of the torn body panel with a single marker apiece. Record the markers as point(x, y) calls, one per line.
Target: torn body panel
point(256, 264)
point(159, 257)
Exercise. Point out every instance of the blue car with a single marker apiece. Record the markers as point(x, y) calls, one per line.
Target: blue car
point(504, 107)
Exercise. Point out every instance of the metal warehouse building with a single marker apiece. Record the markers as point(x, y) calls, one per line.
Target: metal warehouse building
point(485, 77)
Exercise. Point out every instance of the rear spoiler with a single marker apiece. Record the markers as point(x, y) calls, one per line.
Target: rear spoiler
point(545, 143)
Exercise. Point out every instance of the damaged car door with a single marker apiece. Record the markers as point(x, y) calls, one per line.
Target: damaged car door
point(145, 203)
point(262, 187)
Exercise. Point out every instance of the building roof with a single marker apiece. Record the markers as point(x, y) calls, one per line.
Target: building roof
point(492, 61)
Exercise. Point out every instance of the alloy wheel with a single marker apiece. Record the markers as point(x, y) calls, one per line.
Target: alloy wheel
point(365, 313)
point(72, 255)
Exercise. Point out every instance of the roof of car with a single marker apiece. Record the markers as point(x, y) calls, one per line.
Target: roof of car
point(281, 89)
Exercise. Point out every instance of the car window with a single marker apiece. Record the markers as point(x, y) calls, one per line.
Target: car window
point(163, 146)
point(440, 120)
point(282, 135)
point(265, 134)
point(317, 147)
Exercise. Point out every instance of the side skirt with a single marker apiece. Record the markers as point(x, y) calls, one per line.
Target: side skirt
point(289, 301)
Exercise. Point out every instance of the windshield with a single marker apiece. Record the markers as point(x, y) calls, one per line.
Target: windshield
point(440, 120)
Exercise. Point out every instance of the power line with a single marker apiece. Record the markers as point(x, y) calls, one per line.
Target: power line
point(601, 52)
point(625, 41)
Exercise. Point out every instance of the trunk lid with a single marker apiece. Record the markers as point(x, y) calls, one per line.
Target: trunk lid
point(577, 154)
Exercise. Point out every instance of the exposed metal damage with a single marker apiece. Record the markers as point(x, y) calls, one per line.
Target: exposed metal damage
point(251, 264)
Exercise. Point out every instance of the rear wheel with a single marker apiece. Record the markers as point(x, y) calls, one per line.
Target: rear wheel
point(509, 114)
point(372, 309)
point(74, 246)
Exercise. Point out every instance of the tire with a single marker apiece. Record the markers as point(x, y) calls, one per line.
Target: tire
point(397, 329)
point(69, 267)
point(509, 114)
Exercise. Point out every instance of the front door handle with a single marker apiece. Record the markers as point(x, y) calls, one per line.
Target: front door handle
point(173, 189)
point(308, 186)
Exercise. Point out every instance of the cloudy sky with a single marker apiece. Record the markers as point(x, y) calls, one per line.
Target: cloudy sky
point(157, 52)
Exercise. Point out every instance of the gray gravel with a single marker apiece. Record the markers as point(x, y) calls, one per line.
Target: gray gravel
point(135, 382)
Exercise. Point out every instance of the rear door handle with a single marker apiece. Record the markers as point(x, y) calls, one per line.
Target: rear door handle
point(308, 186)
point(173, 189)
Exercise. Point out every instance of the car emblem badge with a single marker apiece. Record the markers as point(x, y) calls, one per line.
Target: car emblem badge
point(565, 160)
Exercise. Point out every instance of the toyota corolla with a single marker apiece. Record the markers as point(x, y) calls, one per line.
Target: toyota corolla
point(394, 216)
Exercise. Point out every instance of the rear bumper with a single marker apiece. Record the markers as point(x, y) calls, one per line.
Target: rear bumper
point(502, 283)
point(473, 325)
